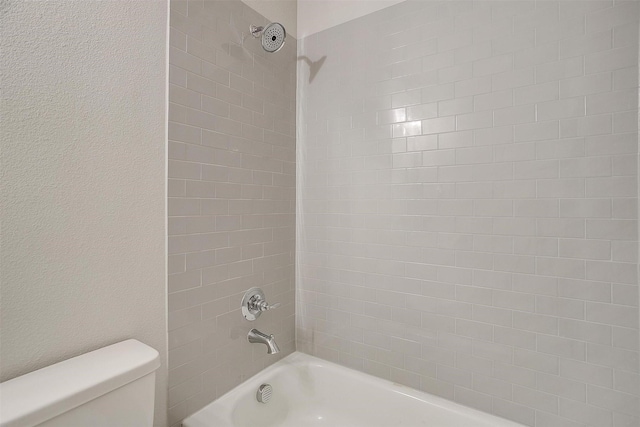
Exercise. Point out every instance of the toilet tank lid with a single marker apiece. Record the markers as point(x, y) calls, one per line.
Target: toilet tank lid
point(40, 395)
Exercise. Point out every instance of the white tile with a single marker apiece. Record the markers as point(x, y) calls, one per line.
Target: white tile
point(593, 374)
point(560, 267)
point(455, 106)
point(455, 73)
point(536, 169)
point(585, 414)
point(493, 136)
point(535, 285)
point(585, 126)
point(515, 115)
point(514, 411)
point(552, 420)
point(540, 54)
point(437, 93)
point(474, 155)
point(407, 129)
point(586, 85)
point(613, 400)
point(536, 131)
point(585, 249)
point(534, 360)
point(538, 208)
point(585, 208)
point(474, 86)
point(542, 246)
point(404, 99)
point(586, 331)
point(564, 108)
point(609, 144)
point(514, 263)
point(606, 355)
point(513, 79)
point(611, 187)
point(625, 78)
point(612, 314)
point(493, 100)
point(493, 245)
point(612, 272)
point(554, 71)
point(624, 122)
point(560, 30)
point(611, 102)
point(562, 227)
point(563, 148)
point(493, 65)
point(493, 208)
point(515, 152)
point(611, 229)
point(514, 300)
point(392, 116)
point(535, 399)
point(609, 60)
point(440, 125)
point(585, 44)
point(585, 167)
point(611, 17)
point(518, 41)
point(478, 120)
point(536, 93)
point(562, 188)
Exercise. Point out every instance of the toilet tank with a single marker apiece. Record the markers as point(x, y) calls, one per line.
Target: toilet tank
point(112, 386)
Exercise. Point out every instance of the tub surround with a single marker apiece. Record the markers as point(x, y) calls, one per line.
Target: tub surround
point(467, 204)
point(231, 198)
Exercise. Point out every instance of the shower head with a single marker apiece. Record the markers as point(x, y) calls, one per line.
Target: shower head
point(273, 36)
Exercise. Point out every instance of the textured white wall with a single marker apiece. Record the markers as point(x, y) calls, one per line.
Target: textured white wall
point(83, 180)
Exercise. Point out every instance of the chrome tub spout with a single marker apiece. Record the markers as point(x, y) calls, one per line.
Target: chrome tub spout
point(255, 336)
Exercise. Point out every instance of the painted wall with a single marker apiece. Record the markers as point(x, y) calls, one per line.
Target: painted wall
point(319, 15)
point(468, 204)
point(83, 181)
point(282, 11)
point(231, 198)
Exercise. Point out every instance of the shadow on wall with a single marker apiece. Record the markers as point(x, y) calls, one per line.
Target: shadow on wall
point(314, 66)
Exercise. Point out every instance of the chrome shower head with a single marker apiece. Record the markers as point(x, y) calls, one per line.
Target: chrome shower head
point(273, 36)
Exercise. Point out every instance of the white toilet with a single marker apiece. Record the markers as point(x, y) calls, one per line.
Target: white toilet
point(110, 387)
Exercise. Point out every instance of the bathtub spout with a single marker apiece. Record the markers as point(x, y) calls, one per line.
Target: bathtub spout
point(255, 336)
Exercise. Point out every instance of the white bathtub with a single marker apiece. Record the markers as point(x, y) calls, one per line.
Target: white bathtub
point(312, 392)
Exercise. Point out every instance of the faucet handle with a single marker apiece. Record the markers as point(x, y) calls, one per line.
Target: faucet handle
point(263, 306)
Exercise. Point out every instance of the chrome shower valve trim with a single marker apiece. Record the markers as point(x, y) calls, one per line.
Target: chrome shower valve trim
point(254, 303)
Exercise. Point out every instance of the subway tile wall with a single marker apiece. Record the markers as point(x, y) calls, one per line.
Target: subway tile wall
point(231, 198)
point(468, 204)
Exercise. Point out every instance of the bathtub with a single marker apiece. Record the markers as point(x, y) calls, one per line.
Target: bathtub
point(308, 391)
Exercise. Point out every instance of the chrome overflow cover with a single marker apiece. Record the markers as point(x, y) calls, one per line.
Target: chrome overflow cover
point(264, 393)
point(254, 303)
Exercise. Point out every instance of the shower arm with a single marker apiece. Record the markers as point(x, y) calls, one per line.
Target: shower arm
point(255, 31)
